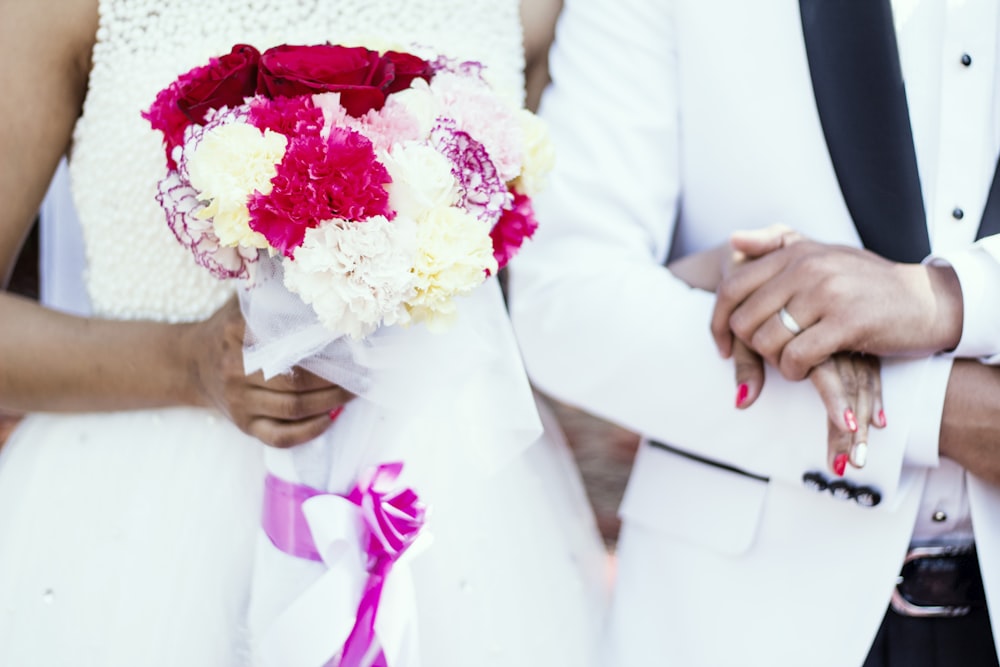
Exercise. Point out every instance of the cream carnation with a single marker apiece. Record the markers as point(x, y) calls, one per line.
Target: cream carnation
point(230, 163)
point(356, 275)
point(422, 180)
point(539, 155)
point(455, 252)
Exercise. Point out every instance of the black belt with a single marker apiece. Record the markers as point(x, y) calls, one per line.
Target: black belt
point(939, 581)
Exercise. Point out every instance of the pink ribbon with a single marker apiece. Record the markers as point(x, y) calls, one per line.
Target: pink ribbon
point(392, 519)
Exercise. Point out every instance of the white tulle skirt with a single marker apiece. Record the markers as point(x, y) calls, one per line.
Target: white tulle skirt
point(130, 539)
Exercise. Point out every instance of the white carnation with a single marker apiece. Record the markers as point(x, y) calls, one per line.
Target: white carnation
point(422, 180)
point(356, 275)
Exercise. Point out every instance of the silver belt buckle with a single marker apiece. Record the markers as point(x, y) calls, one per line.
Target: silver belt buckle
point(905, 607)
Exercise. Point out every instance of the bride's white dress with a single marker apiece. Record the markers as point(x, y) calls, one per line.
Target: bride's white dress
point(128, 539)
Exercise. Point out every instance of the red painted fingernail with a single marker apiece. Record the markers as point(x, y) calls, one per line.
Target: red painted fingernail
point(849, 419)
point(840, 464)
point(336, 412)
point(881, 418)
point(741, 394)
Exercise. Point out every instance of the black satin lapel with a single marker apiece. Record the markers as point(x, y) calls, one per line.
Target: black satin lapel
point(990, 223)
point(858, 84)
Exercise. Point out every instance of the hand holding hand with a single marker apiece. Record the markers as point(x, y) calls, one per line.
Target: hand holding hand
point(849, 384)
point(842, 299)
point(284, 411)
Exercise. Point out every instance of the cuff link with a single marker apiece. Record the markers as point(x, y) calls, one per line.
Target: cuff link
point(865, 496)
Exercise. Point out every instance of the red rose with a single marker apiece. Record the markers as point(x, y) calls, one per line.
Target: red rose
point(223, 82)
point(407, 68)
point(361, 76)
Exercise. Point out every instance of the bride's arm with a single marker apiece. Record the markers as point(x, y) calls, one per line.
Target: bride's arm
point(50, 361)
point(539, 20)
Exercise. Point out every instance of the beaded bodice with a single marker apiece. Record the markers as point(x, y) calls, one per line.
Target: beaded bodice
point(135, 268)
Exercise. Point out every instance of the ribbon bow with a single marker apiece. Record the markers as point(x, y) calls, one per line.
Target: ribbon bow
point(390, 522)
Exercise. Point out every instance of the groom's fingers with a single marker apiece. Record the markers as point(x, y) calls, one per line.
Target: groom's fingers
point(734, 289)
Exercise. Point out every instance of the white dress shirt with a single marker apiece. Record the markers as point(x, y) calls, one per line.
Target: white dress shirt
point(948, 52)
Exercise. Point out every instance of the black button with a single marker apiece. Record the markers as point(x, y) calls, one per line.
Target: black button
point(966, 59)
point(958, 213)
point(842, 490)
point(867, 496)
point(814, 481)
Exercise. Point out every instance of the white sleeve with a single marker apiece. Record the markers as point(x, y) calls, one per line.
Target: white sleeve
point(601, 323)
point(978, 270)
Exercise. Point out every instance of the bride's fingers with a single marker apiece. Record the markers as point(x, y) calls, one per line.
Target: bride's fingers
point(878, 408)
point(758, 242)
point(297, 379)
point(866, 372)
point(837, 399)
point(281, 434)
point(293, 406)
point(838, 446)
point(749, 369)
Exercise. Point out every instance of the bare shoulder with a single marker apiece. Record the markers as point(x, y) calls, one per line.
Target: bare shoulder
point(64, 29)
point(45, 55)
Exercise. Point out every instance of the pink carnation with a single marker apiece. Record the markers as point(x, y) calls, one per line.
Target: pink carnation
point(320, 179)
point(390, 125)
point(482, 192)
point(290, 116)
point(516, 224)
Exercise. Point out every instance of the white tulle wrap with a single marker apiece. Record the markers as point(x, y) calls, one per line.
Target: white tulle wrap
point(453, 405)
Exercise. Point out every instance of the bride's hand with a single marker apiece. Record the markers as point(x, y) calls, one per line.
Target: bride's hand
point(284, 411)
point(850, 385)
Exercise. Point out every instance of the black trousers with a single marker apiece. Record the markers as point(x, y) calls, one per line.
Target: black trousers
point(903, 641)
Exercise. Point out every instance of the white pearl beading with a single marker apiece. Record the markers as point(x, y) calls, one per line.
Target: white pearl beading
point(135, 268)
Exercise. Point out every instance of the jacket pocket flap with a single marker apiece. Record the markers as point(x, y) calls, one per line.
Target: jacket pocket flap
point(694, 501)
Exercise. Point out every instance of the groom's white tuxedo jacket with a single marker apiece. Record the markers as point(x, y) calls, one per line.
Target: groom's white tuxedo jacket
point(677, 122)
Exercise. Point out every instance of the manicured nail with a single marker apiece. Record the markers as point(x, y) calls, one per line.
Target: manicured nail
point(859, 454)
point(840, 464)
point(336, 412)
point(741, 394)
point(881, 418)
point(850, 420)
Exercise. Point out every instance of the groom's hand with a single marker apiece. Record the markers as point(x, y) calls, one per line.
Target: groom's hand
point(284, 411)
point(843, 299)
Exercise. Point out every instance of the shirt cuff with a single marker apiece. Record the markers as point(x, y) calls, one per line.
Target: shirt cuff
point(928, 407)
point(978, 274)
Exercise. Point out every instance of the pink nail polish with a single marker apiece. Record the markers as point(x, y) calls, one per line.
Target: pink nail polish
point(336, 412)
point(850, 420)
point(840, 464)
point(881, 418)
point(741, 394)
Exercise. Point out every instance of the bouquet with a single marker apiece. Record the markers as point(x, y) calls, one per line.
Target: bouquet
point(356, 195)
